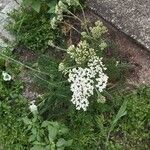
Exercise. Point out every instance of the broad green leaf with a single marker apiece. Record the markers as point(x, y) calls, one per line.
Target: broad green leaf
point(52, 132)
point(36, 5)
point(27, 121)
point(61, 142)
point(51, 10)
point(63, 130)
point(37, 147)
point(52, 5)
point(32, 138)
point(48, 147)
point(122, 112)
point(55, 124)
point(34, 131)
point(68, 143)
point(52, 146)
point(45, 124)
point(27, 2)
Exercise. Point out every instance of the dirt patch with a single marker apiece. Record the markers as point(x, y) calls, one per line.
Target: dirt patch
point(138, 57)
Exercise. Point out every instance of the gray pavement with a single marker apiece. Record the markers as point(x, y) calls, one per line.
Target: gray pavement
point(6, 6)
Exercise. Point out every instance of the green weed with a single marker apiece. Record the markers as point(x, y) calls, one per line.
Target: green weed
point(32, 30)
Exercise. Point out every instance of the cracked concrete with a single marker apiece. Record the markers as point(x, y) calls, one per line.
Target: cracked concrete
point(130, 16)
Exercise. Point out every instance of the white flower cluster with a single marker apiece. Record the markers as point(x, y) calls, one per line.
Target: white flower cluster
point(84, 80)
point(98, 30)
point(96, 67)
point(81, 86)
point(60, 8)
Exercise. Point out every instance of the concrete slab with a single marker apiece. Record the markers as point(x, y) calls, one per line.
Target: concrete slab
point(130, 16)
point(6, 6)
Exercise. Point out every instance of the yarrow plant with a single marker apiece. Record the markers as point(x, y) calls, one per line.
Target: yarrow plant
point(87, 75)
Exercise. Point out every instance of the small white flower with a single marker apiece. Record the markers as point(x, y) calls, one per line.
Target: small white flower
point(33, 107)
point(117, 63)
point(51, 43)
point(6, 76)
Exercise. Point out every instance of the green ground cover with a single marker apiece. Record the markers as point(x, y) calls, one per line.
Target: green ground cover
point(111, 117)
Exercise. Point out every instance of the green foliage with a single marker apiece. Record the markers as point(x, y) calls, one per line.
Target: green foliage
point(32, 30)
point(115, 120)
point(12, 109)
point(37, 4)
point(122, 112)
point(134, 128)
point(54, 86)
point(18, 129)
point(46, 135)
point(34, 23)
point(12, 130)
point(90, 129)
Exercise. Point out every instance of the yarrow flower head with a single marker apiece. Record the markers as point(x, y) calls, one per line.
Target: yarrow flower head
point(6, 76)
point(98, 30)
point(81, 53)
point(84, 80)
point(96, 66)
point(103, 45)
